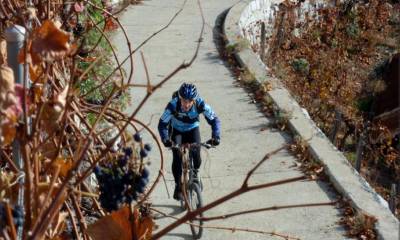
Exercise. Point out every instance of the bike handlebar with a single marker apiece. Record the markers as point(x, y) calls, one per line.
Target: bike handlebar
point(189, 145)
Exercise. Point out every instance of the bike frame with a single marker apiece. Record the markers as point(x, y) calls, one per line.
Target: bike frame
point(187, 167)
point(191, 189)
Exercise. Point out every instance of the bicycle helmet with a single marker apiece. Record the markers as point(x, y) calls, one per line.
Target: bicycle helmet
point(188, 91)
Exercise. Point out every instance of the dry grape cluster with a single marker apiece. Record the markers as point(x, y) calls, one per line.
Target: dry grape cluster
point(118, 182)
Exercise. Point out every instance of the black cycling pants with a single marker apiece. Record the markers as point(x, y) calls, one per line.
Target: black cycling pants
point(192, 136)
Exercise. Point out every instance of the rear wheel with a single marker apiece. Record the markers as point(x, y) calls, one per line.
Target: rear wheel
point(195, 202)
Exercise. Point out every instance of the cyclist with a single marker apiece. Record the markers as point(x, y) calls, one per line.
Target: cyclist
point(180, 124)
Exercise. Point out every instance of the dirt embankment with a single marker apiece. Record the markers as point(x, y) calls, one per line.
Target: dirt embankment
point(340, 65)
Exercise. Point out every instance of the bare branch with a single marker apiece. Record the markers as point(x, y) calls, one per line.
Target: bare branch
point(265, 158)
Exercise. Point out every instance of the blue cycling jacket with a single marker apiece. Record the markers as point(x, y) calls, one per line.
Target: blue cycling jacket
point(186, 121)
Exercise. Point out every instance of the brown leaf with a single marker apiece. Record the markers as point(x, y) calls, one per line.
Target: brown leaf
point(37, 90)
point(89, 59)
point(32, 59)
point(118, 226)
point(49, 42)
point(319, 170)
point(53, 110)
point(115, 226)
point(313, 177)
point(36, 73)
point(7, 97)
point(143, 226)
point(110, 24)
point(7, 128)
point(65, 165)
point(61, 98)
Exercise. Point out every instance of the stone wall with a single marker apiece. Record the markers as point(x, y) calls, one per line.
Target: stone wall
point(266, 11)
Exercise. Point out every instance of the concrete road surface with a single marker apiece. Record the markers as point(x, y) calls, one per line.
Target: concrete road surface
point(243, 141)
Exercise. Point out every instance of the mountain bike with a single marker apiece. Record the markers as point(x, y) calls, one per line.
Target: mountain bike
point(191, 186)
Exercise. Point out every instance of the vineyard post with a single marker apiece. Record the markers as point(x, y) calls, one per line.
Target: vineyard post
point(392, 200)
point(15, 36)
point(262, 44)
point(338, 120)
point(360, 148)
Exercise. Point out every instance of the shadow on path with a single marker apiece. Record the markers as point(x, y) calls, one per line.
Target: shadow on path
point(180, 235)
point(174, 210)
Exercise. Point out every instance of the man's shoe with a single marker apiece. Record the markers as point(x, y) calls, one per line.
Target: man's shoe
point(177, 193)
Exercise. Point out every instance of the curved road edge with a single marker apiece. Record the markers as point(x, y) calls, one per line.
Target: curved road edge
point(343, 176)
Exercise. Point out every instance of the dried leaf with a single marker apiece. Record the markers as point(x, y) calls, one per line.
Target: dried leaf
point(64, 164)
point(8, 128)
point(36, 73)
point(143, 226)
point(6, 178)
point(110, 24)
point(31, 12)
point(7, 98)
point(19, 96)
point(89, 59)
point(267, 86)
point(49, 42)
point(53, 110)
point(37, 92)
point(319, 170)
point(61, 98)
point(118, 225)
point(8, 186)
point(115, 226)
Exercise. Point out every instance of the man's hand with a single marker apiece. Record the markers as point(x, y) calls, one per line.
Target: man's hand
point(167, 143)
point(213, 141)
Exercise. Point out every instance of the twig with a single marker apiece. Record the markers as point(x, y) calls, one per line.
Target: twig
point(78, 212)
point(73, 222)
point(10, 221)
point(28, 184)
point(86, 194)
point(165, 183)
point(95, 202)
point(52, 186)
point(51, 210)
point(90, 67)
point(149, 89)
point(10, 161)
point(265, 158)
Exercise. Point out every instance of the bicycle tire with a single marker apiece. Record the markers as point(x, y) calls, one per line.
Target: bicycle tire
point(196, 201)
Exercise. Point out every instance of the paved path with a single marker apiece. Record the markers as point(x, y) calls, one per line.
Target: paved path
point(243, 144)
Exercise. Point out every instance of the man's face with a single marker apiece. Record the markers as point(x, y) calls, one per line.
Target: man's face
point(186, 104)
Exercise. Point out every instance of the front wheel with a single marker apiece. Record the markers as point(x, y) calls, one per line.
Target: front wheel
point(195, 202)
